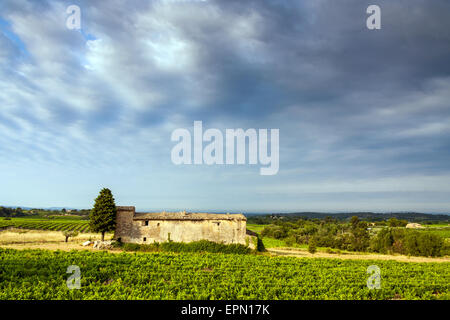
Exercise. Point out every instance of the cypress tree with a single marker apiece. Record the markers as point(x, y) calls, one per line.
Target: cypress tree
point(103, 215)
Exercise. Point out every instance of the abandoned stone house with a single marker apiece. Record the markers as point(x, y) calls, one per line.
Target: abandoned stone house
point(147, 228)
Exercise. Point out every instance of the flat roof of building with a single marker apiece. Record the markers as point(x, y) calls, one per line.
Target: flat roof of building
point(187, 216)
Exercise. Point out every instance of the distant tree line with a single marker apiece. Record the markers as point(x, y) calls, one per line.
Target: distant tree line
point(409, 242)
point(357, 235)
point(380, 218)
point(19, 212)
point(11, 212)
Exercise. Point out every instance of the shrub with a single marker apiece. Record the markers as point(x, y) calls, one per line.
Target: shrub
point(69, 234)
point(132, 246)
point(260, 245)
point(424, 244)
point(274, 231)
point(205, 246)
point(409, 242)
point(312, 246)
point(446, 248)
point(393, 222)
point(196, 246)
point(290, 241)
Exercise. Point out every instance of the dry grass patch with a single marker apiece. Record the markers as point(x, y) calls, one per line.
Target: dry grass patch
point(23, 237)
point(354, 256)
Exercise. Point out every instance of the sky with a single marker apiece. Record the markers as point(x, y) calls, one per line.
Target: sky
point(363, 115)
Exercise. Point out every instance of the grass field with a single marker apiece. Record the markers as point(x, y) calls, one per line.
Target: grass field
point(41, 274)
point(440, 225)
point(273, 243)
point(440, 231)
point(268, 242)
point(256, 227)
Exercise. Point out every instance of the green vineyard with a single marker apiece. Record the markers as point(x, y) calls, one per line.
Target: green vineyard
point(46, 224)
point(42, 274)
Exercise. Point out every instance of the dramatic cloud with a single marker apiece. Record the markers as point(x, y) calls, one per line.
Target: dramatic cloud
point(362, 114)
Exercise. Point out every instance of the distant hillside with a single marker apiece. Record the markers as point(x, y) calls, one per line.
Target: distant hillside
point(410, 216)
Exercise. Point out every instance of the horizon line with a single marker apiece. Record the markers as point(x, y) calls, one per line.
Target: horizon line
point(262, 212)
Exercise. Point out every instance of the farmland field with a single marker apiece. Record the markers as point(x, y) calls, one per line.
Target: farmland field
point(41, 274)
point(256, 227)
point(268, 242)
point(46, 224)
point(443, 232)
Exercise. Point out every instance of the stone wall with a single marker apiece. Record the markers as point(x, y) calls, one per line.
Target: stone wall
point(124, 223)
point(142, 231)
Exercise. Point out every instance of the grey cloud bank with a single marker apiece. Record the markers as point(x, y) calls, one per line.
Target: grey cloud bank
point(365, 113)
point(236, 146)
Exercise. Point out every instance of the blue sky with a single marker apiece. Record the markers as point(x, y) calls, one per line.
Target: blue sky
point(364, 116)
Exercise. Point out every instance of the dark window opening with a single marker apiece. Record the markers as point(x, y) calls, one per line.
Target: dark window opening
point(145, 239)
point(146, 223)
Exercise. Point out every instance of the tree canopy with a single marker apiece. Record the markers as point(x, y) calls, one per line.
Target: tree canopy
point(103, 215)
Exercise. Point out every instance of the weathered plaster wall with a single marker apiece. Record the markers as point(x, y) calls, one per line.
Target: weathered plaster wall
point(135, 231)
